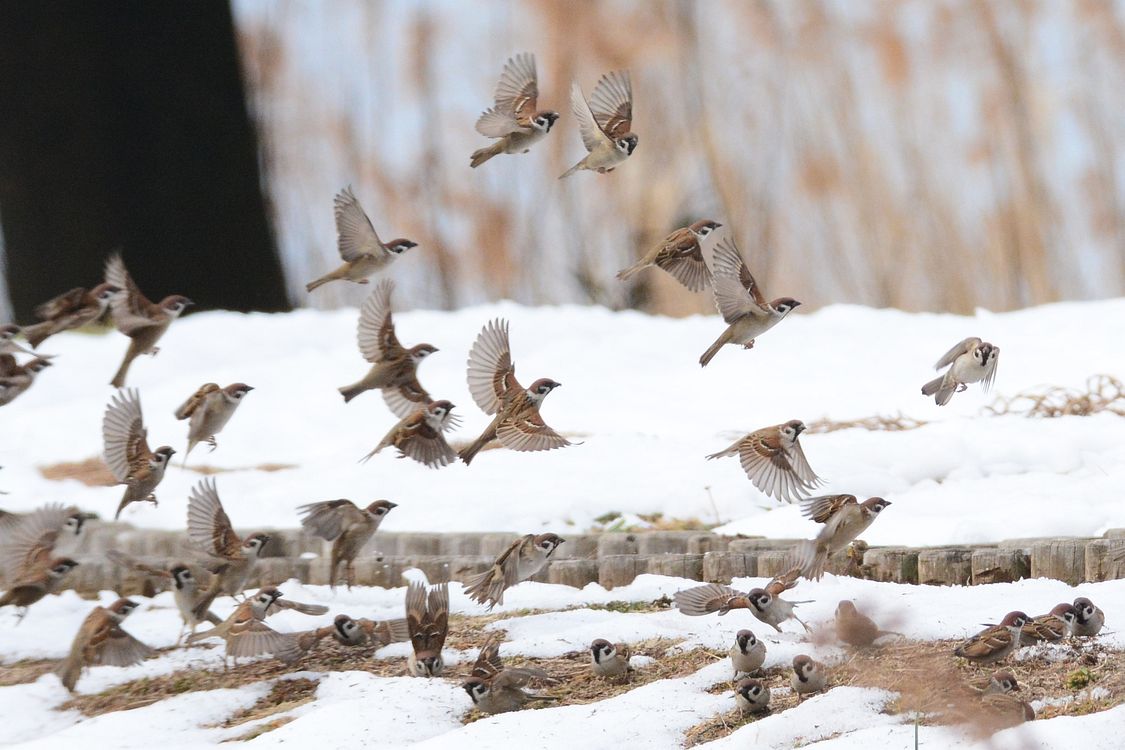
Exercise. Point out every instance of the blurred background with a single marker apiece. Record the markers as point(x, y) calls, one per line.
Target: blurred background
point(915, 154)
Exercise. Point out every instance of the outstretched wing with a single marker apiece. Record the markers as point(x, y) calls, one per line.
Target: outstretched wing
point(124, 434)
point(132, 311)
point(736, 292)
point(209, 528)
point(821, 509)
point(355, 236)
point(196, 400)
point(588, 128)
point(30, 543)
point(328, 519)
point(66, 302)
point(517, 93)
point(612, 104)
point(492, 375)
point(376, 331)
point(528, 432)
point(961, 347)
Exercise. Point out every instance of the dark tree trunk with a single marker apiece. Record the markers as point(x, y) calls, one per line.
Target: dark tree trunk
point(124, 125)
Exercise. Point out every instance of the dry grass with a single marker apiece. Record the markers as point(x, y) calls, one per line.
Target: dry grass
point(258, 731)
point(1104, 393)
point(93, 472)
point(897, 423)
point(614, 521)
point(25, 670)
point(283, 696)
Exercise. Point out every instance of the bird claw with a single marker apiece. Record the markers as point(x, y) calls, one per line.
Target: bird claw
point(962, 387)
point(152, 499)
point(213, 443)
point(749, 345)
point(154, 351)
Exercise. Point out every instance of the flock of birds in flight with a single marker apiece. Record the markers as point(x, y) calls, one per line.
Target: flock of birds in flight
point(771, 457)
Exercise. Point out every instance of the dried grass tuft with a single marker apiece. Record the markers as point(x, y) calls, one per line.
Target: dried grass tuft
point(1103, 393)
point(897, 423)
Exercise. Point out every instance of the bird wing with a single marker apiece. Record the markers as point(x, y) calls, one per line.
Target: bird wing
point(821, 509)
point(437, 616)
point(406, 398)
point(708, 598)
point(736, 292)
point(132, 311)
point(196, 400)
point(801, 466)
point(28, 547)
point(783, 582)
point(612, 104)
point(986, 643)
point(526, 431)
point(209, 527)
point(990, 376)
point(488, 663)
point(254, 638)
point(427, 446)
point(517, 93)
point(304, 609)
point(493, 123)
point(492, 375)
point(124, 434)
point(355, 236)
point(681, 256)
point(588, 128)
point(128, 561)
point(9, 366)
point(328, 519)
point(961, 347)
point(375, 333)
point(768, 465)
point(119, 649)
point(66, 302)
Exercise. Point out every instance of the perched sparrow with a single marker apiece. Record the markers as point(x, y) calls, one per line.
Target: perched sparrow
point(127, 454)
point(680, 256)
point(209, 409)
point(185, 590)
point(492, 382)
point(101, 641)
point(1054, 626)
point(363, 632)
point(844, 519)
point(15, 378)
point(809, 676)
point(610, 659)
point(741, 303)
point(855, 628)
point(394, 369)
point(766, 603)
point(231, 557)
point(347, 527)
point(247, 635)
point(752, 697)
point(774, 461)
point(972, 360)
point(994, 643)
point(70, 310)
point(8, 345)
point(747, 654)
point(496, 689)
point(1001, 711)
point(999, 682)
point(427, 618)
point(524, 558)
point(360, 247)
point(513, 120)
point(33, 581)
point(604, 123)
point(1090, 618)
point(419, 436)
point(136, 317)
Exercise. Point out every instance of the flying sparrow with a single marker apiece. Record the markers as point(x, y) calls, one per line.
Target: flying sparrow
point(419, 436)
point(999, 682)
point(8, 344)
point(230, 557)
point(136, 317)
point(209, 409)
point(752, 697)
point(1090, 618)
point(680, 256)
point(604, 123)
point(33, 581)
point(68, 311)
point(43, 527)
point(15, 378)
point(844, 519)
point(247, 635)
point(127, 454)
point(741, 303)
point(523, 559)
point(347, 527)
point(360, 247)
point(363, 632)
point(427, 619)
point(610, 659)
point(765, 603)
point(185, 589)
point(1052, 627)
point(513, 120)
point(102, 641)
point(747, 654)
point(493, 385)
point(495, 689)
point(774, 461)
point(995, 642)
point(809, 676)
point(855, 628)
point(971, 361)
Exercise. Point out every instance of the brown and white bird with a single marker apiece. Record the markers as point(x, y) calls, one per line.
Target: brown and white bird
point(8, 344)
point(127, 454)
point(427, 619)
point(523, 559)
point(747, 654)
point(605, 123)
point(247, 635)
point(497, 689)
point(774, 461)
point(513, 119)
point(764, 603)
point(844, 519)
point(348, 527)
point(209, 409)
point(999, 682)
point(1001, 711)
point(516, 423)
point(1090, 618)
point(70, 310)
point(349, 631)
point(185, 590)
point(809, 676)
point(970, 361)
point(102, 641)
point(679, 255)
point(420, 436)
point(995, 642)
point(138, 318)
point(229, 556)
point(360, 248)
point(610, 659)
point(752, 697)
point(34, 580)
point(16, 379)
point(1050, 628)
point(46, 526)
point(394, 368)
point(855, 628)
point(28, 558)
point(742, 304)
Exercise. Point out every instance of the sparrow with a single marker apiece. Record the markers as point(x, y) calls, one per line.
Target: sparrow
point(995, 642)
point(419, 436)
point(1000, 711)
point(427, 620)
point(493, 385)
point(185, 590)
point(31, 565)
point(102, 641)
point(774, 461)
point(8, 344)
point(127, 454)
point(752, 697)
point(523, 559)
point(844, 519)
point(1090, 618)
point(247, 635)
point(360, 247)
point(604, 123)
point(136, 317)
point(495, 689)
point(765, 603)
point(70, 310)
point(513, 119)
point(42, 527)
point(33, 581)
point(16, 379)
point(970, 361)
point(231, 558)
point(1049, 628)
point(363, 632)
point(680, 256)
point(740, 301)
point(610, 659)
point(809, 676)
point(209, 409)
point(394, 369)
point(347, 527)
point(747, 654)
point(855, 628)
point(999, 682)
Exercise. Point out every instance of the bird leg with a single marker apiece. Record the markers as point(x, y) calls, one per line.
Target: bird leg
point(154, 351)
point(152, 499)
point(749, 345)
point(213, 443)
point(350, 575)
point(962, 387)
point(22, 614)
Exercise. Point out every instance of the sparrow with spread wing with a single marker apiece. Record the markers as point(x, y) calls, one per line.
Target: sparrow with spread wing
point(970, 361)
point(427, 619)
point(209, 409)
point(774, 461)
point(513, 120)
point(844, 519)
point(360, 248)
point(497, 689)
point(604, 123)
point(347, 526)
point(420, 436)
point(247, 635)
point(70, 310)
point(765, 603)
point(127, 454)
point(679, 255)
point(102, 641)
point(185, 590)
point(229, 557)
point(524, 558)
